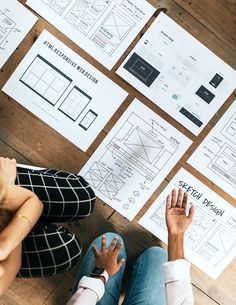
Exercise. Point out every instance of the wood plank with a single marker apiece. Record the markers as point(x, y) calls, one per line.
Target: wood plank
point(8, 152)
point(30, 291)
point(218, 16)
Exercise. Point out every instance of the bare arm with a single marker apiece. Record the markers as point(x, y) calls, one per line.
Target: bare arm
point(9, 269)
point(177, 223)
point(30, 207)
point(24, 203)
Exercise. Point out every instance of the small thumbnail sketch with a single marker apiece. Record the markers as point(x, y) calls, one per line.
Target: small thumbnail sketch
point(88, 119)
point(201, 224)
point(45, 80)
point(75, 103)
point(84, 17)
point(104, 180)
point(218, 245)
point(7, 25)
point(224, 164)
point(59, 6)
point(229, 131)
point(115, 27)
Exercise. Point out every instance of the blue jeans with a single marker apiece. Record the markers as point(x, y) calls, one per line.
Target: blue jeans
point(147, 284)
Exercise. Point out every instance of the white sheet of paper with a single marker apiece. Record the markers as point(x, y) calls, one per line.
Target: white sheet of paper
point(215, 157)
point(210, 240)
point(134, 159)
point(30, 166)
point(15, 23)
point(179, 74)
point(64, 91)
point(103, 28)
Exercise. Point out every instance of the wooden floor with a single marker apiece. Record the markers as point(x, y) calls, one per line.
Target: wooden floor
point(30, 141)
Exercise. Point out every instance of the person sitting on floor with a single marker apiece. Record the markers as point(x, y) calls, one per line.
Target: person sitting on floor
point(31, 201)
point(153, 281)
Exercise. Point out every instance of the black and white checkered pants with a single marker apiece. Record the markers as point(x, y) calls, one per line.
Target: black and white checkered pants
point(50, 248)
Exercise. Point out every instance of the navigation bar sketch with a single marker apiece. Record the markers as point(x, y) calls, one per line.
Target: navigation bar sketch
point(216, 155)
point(210, 240)
point(64, 90)
point(178, 74)
point(103, 28)
point(15, 22)
point(134, 159)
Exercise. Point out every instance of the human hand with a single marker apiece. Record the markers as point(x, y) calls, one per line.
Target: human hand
point(176, 219)
point(107, 258)
point(8, 170)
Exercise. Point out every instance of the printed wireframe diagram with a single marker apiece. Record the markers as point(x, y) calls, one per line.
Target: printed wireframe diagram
point(224, 162)
point(7, 25)
point(46, 80)
point(84, 17)
point(88, 119)
point(75, 103)
point(201, 225)
point(117, 26)
point(59, 6)
point(139, 148)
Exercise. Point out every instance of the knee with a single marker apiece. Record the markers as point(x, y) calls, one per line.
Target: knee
point(109, 238)
point(156, 253)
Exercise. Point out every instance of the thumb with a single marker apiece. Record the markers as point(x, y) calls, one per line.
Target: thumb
point(121, 262)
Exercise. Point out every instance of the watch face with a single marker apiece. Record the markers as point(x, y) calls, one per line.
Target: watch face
point(98, 271)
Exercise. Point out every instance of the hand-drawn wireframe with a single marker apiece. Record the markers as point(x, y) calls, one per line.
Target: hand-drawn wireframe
point(83, 17)
point(59, 6)
point(210, 240)
point(103, 28)
point(201, 225)
point(134, 158)
point(7, 25)
point(216, 155)
point(46, 80)
point(220, 243)
point(75, 103)
point(88, 119)
point(117, 26)
point(15, 23)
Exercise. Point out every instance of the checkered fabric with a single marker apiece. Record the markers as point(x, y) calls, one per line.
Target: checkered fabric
point(49, 248)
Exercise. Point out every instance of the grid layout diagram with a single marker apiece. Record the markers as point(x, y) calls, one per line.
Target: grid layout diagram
point(106, 182)
point(45, 80)
point(6, 26)
point(75, 103)
point(88, 119)
point(59, 6)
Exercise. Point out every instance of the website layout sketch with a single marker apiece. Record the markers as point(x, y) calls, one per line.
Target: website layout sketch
point(216, 156)
point(210, 240)
point(64, 91)
point(103, 28)
point(15, 23)
point(178, 74)
point(134, 159)
point(46, 80)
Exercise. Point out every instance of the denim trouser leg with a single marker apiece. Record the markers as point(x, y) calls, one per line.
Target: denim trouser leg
point(147, 283)
point(113, 286)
